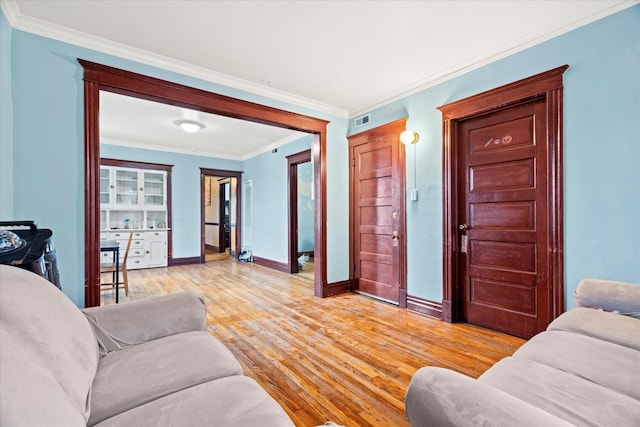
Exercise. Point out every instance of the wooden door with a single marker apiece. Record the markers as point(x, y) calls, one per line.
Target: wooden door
point(377, 211)
point(502, 186)
point(502, 218)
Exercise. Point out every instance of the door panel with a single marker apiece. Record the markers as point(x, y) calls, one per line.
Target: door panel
point(374, 197)
point(377, 211)
point(504, 204)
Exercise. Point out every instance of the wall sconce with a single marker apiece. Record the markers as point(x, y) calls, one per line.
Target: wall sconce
point(409, 137)
point(189, 126)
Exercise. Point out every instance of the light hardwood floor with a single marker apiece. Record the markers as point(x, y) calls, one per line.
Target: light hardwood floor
point(348, 358)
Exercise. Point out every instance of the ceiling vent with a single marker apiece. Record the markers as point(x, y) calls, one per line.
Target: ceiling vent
point(362, 120)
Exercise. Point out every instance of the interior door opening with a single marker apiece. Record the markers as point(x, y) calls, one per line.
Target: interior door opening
point(221, 213)
point(99, 77)
point(301, 213)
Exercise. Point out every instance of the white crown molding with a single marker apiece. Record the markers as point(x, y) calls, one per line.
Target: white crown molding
point(81, 39)
point(485, 59)
point(64, 34)
point(10, 9)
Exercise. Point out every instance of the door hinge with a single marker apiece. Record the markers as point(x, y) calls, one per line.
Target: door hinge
point(353, 161)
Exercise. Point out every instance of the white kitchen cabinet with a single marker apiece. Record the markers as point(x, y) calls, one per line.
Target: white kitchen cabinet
point(134, 200)
point(148, 248)
point(156, 248)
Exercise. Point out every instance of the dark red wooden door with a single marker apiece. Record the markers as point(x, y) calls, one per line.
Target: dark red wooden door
point(377, 211)
point(503, 218)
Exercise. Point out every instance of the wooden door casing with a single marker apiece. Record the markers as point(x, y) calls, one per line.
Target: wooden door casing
point(99, 77)
point(377, 212)
point(546, 87)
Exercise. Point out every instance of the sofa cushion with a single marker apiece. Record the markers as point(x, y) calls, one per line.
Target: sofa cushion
point(236, 401)
point(603, 325)
point(48, 353)
point(609, 365)
point(142, 373)
point(567, 396)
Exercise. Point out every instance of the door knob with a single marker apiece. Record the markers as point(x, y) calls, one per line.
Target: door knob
point(463, 227)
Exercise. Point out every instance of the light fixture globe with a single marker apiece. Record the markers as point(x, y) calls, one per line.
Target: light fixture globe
point(190, 126)
point(409, 137)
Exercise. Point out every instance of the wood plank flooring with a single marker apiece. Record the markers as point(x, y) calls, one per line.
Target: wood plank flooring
point(348, 358)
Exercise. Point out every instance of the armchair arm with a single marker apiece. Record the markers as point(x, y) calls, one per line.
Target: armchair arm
point(118, 326)
point(444, 398)
point(609, 295)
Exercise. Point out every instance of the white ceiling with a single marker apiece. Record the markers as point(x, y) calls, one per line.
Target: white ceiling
point(338, 57)
point(139, 123)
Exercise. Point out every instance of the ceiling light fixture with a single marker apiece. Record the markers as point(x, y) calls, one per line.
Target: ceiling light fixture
point(190, 126)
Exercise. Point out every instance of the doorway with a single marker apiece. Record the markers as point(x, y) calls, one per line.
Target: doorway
point(503, 206)
point(301, 213)
point(99, 77)
point(377, 213)
point(220, 212)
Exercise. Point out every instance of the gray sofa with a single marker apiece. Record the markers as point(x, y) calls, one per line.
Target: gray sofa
point(583, 370)
point(144, 363)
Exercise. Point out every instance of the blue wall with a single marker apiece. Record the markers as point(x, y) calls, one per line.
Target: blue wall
point(42, 99)
point(6, 121)
point(270, 199)
point(601, 151)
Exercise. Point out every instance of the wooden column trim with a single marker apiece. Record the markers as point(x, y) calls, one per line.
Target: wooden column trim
point(92, 195)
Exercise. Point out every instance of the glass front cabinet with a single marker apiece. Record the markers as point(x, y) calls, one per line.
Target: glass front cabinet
point(154, 188)
point(127, 188)
point(135, 201)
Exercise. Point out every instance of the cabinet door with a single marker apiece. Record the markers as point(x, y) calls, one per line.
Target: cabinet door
point(154, 189)
point(127, 187)
point(106, 187)
point(156, 249)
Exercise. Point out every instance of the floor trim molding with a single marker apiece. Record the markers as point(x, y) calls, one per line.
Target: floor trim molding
point(276, 265)
point(184, 261)
point(424, 306)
